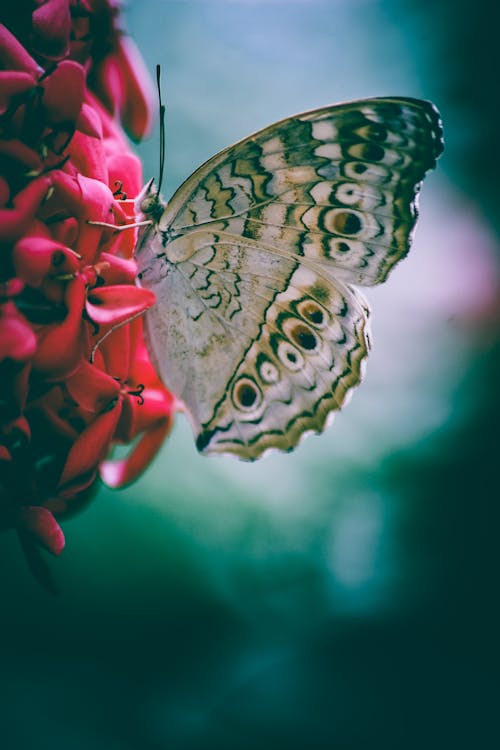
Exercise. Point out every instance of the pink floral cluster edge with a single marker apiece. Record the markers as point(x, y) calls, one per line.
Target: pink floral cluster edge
point(74, 371)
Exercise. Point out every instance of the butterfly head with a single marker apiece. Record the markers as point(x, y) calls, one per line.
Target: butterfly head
point(149, 203)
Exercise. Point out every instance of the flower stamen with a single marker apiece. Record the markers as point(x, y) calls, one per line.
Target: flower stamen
point(138, 393)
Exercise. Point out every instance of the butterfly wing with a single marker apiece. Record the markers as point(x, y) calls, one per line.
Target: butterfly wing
point(256, 328)
point(337, 185)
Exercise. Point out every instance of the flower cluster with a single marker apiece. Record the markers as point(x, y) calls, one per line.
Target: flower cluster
point(74, 370)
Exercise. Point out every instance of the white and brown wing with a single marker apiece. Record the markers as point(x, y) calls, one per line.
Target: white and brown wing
point(257, 328)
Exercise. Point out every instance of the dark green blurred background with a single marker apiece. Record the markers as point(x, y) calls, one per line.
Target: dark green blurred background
point(345, 596)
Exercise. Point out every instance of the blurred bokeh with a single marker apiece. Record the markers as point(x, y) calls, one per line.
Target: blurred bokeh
point(344, 596)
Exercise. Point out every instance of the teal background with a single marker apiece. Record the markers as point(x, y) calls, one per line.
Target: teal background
point(344, 596)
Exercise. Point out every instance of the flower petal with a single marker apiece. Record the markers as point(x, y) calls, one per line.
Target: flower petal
point(4, 191)
point(41, 524)
point(90, 447)
point(69, 503)
point(51, 27)
point(81, 30)
point(143, 411)
point(89, 122)
point(91, 388)
point(17, 340)
point(5, 454)
point(125, 169)
point(86, 199)
point(10, 288)
point(14, 377)
point(113, 305)
point(63, 92)
point(14, 221)
point(139, 93)
point(113, 352)
point(35, 258)
point(62, 345)
point(17, 151)
point(111, 86)
point(12, 84)
point(118, 270)
point(88, 156)
point(54, 412)
point(13, 56)
point(120, 473)
point(83, 197)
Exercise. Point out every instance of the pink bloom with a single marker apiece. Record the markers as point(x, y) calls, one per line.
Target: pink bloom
point(75, 372)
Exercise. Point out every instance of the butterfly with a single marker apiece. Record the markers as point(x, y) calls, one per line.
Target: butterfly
point(258, 328)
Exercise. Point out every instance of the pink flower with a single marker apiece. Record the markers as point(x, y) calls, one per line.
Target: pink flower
point(75, 371)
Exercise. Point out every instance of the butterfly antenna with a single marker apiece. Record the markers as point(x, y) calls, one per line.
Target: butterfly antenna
point(162, 130)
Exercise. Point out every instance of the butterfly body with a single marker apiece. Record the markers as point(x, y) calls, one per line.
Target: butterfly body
point(257, 327)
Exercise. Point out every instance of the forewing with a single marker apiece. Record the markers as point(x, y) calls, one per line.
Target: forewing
point(337, 185)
